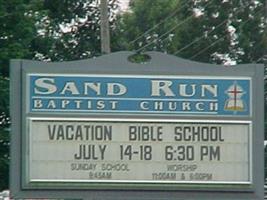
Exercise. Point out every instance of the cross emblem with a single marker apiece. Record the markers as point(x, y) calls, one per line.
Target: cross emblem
point(235, 102)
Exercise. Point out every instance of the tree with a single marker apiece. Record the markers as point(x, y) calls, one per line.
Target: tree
point(17, 32)
point(208, 31)
point(225, 31)
point(71, 29)
point(145, 24)
point(4, 133)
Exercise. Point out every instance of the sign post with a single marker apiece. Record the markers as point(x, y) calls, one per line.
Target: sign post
point(107, 128)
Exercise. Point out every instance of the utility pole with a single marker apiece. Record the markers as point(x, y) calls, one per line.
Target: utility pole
point(104, 26)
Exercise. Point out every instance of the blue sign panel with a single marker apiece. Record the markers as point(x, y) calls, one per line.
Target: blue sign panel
point(140, 94)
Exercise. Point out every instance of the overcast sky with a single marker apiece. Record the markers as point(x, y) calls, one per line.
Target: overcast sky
point(124, 4)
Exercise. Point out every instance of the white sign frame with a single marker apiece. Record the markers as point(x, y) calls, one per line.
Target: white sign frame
point(58, 181)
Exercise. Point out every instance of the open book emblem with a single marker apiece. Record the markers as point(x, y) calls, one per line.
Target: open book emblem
point(234, 102)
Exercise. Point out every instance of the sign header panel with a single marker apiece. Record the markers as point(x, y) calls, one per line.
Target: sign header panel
point(139, 152)
point(162, 95)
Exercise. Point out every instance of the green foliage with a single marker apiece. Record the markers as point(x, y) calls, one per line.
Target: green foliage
point(72, 29)
point(139, 58)
point(265, 166)
point(241, 44)
point(4, 133)
point(208, 31)
point(4, 159)
point(145, 15)
point(4, 100)
point(17, 31)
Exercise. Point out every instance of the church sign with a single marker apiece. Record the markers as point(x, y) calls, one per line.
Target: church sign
point(106, 127)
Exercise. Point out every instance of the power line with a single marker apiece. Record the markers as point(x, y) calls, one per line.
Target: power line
point(158, 24)
point(166, 33)
point(220, 39)
point(199, 38)
point(205, 49)
point(172, 29)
